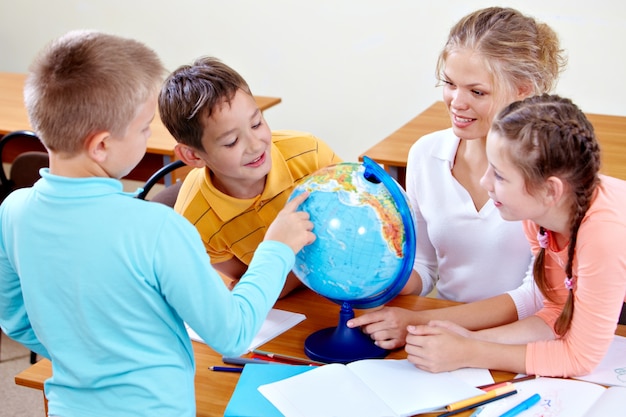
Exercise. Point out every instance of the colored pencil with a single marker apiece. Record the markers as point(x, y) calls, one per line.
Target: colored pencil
point(469, 407)
point(285, 358)
point(494, 386)
point(513, 380)
point(226, 369)
point(479, 398)
point(241, 361)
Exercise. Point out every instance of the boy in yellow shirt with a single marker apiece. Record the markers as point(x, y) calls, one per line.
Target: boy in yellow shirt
point(244, 171)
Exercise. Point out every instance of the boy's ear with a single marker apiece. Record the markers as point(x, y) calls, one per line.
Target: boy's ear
point(188, 155)
point(97, 146)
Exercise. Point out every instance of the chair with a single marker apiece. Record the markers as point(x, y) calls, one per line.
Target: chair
point(168, 195)
point(29, 156)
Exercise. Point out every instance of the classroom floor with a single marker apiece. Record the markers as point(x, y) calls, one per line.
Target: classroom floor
point(15, 400)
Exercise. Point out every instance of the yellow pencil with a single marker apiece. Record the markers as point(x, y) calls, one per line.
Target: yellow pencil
point(480, 398)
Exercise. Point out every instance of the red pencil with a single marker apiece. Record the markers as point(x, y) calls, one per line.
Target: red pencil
point(489, 387)
point(285, 359)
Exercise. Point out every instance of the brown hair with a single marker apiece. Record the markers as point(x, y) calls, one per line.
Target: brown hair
point(85, 82)
point(550, 136)
point(191, 93)
point(516, 48)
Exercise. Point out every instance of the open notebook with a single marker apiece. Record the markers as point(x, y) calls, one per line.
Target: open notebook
point(369, 388)
point(277, 322)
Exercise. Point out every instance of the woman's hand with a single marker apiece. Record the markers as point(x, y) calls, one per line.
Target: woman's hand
point(386, 326)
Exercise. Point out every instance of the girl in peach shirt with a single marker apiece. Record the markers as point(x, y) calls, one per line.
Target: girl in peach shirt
point(543, 168)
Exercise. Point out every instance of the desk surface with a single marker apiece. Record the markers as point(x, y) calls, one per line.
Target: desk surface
point(13, 114)
point(214, 389)
point(392, 152)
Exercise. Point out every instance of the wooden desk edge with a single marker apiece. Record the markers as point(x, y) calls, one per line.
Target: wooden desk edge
point(35, 375)
point(434, 118)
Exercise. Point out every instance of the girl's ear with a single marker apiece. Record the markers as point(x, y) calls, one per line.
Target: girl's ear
point(188, 155)
point(554, 190)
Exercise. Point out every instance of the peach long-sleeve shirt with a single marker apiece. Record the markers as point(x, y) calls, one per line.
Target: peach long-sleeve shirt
point(599, 271)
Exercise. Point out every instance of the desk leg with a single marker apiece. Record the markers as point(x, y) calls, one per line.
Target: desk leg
point(392, 171)
point(398, 174)
point(45, 403)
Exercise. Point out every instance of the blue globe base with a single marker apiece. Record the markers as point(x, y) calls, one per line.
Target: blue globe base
point(342, 344)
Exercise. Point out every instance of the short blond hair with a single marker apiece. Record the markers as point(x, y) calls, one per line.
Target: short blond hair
point(86, 82)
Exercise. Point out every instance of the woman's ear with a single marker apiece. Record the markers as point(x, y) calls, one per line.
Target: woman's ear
point(525, 90)
point(189, 156)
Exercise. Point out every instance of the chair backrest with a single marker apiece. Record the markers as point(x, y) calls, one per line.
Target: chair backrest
point(26, 154)
point(25, 168)
point(168, 195)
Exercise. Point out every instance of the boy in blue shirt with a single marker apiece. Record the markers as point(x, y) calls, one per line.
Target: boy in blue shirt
point(99, 282)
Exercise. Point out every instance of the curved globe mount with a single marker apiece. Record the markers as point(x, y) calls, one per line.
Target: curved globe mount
point(342, 344)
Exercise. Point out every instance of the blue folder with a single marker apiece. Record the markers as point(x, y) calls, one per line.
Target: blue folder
point(247, 401)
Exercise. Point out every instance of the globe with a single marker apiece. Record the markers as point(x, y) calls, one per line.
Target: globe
point(363, 254)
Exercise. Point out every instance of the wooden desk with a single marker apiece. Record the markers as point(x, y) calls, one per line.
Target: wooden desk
point(13, 116)
point(214, 389)
point(392, 152)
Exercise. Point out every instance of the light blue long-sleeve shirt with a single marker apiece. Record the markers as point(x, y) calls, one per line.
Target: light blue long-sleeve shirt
point(101, 283)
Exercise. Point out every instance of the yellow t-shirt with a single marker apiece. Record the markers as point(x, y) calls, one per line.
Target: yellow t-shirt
point(234, 227)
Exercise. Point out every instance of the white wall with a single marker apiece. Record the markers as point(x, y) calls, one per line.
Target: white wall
point(350, 71)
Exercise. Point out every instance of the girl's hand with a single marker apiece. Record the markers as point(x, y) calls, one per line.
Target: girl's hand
point(438, 346)
point(453, 327)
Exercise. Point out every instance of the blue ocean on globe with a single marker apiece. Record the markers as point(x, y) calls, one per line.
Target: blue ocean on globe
point(365, 235)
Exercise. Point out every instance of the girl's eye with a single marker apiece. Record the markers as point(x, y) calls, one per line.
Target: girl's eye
point(445, 83)
point(478, 93)
point(497, 176)
point(231, 144)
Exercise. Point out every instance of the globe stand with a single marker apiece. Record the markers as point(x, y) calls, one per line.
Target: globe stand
point(342, 344)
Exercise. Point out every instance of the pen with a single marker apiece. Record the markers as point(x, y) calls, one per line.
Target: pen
point(225, 369)
point(513, 380)
point(241, 361)
point(477, 411)
point(479, 398)
point(286, 358)
point(524, 405)
point(469, 407)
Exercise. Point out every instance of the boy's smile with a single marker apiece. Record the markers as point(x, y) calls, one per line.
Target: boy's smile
point(258, 161)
